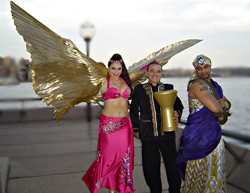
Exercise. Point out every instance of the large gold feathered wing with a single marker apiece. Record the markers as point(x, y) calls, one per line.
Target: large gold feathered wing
point(61, 75)
point(137, 71)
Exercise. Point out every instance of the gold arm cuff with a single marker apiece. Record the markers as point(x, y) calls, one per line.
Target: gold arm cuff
point(228, 104)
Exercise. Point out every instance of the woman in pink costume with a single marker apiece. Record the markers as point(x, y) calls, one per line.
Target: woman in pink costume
point(114, 164)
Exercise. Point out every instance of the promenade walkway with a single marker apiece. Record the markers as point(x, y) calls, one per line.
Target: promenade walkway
point(46, 157)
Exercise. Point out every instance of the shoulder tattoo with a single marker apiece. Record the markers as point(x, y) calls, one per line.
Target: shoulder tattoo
point(204, 87)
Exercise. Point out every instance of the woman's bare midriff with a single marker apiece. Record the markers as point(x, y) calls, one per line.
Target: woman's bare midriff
point(116, 107)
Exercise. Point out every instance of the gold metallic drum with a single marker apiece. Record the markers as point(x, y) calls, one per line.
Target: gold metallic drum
point(166, 101)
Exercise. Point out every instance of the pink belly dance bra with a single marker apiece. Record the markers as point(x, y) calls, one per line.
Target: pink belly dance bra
point(113, 92)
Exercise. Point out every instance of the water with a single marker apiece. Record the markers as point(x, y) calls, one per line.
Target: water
point(236, 89)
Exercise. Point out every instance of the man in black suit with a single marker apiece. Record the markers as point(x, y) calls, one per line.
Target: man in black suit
point(145, 115)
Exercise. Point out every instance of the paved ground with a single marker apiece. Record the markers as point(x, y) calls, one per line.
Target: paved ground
point(45, 157)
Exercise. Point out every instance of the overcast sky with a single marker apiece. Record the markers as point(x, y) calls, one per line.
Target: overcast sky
point(136, 28)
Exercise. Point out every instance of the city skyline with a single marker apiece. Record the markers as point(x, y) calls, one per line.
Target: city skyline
point(135, 29)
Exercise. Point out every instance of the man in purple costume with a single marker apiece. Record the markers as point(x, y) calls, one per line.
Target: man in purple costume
point(203, 133)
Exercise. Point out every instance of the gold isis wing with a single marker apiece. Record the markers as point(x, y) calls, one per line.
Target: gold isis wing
point(162, 56)
point(62, 75)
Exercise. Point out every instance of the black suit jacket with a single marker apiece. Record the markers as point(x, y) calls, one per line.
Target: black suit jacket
point(145, 112)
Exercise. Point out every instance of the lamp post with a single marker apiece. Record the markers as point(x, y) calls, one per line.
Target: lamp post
point(87, 32)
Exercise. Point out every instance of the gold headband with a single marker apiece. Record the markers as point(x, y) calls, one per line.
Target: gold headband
point(115, 61)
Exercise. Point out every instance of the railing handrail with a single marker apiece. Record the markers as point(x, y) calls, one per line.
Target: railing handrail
point(239, 136)
point(242, 137)
point(245, 138)
point(19, 99)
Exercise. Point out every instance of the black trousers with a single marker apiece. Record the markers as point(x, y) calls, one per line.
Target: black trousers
point(151, 158)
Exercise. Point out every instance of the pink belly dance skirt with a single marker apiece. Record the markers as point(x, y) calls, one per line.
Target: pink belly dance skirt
point(114, 163)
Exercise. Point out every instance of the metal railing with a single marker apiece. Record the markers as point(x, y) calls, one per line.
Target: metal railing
point(241, 137)
point(231, 134)
point(22, 100)
point(19, 99)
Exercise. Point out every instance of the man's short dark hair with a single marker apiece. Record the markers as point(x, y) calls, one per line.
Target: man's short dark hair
point(151, 63)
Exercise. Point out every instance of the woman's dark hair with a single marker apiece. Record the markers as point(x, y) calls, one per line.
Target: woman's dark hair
point(124, 75)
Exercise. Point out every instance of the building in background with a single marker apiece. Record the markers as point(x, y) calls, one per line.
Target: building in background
point(12, 72)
